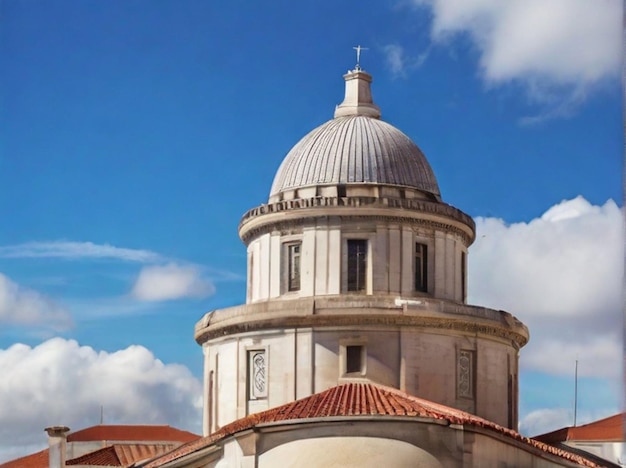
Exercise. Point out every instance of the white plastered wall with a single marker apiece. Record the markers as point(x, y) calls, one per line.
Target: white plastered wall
point(323, 261)
point(301, 362)
point(366, 452)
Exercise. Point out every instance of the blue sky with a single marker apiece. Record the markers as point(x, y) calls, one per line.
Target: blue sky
point(134, 135)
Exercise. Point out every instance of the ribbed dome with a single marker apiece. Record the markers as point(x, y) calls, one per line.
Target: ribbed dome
point(355, 149)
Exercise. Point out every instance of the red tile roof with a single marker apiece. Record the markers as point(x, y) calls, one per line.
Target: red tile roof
point(34, 460)
point(131, 432)
point(121, 454)
point(104, 457)
point(361, 399)
point(609, 429)
point(117, 433)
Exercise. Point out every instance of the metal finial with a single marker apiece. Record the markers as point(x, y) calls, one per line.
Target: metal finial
point(358, 56)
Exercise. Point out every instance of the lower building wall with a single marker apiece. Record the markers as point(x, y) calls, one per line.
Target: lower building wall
point(371, 443)
point(487, 451)
point(233, 456)
point(365, 452)
point(613, 451)
point(465, 372)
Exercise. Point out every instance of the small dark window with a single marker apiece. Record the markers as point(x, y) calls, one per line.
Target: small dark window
point(510, 401)
point(250, 292)
point(357, 264)
point(353, 359)
point(421, 267)
point(341, 191)
point(293, 279)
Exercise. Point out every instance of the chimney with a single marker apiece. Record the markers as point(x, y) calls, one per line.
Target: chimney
point(57, 436)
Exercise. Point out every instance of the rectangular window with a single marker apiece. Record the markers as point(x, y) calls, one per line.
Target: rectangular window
point(257, 374)
point(465, 374)
point(249, 292)
point(512, 395)
point(357, 264)
point(354, 359)
point(421, 267)
point(463, 276)
point(293, 267)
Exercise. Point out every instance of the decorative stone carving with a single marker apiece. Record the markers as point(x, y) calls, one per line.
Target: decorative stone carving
point(465, 374)
point(257, 374)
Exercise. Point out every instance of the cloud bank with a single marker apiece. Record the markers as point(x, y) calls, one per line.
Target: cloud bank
point(562, 275)
point(26, 307)
point(171, 281)
point(557, 51)
point(60, 382)
point(161, 279)
point(399, 62)
point(545, 420)
point(76, 250)
point(560, 41)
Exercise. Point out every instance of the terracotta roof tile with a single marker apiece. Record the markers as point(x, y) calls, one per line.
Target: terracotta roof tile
point(112, 433)
point(131, 453)
point(121, 454)
point(361, 399)
point(131, 432)
point(609, 429)
point(104, 457)
point(34, 460)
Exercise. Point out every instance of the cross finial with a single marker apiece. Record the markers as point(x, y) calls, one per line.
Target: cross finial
point(358, 56)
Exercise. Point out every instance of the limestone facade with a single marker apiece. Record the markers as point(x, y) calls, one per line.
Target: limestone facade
point(366, 425)
point(357, 270)
point(344, 443)
point(391, 227)
point(461, 356)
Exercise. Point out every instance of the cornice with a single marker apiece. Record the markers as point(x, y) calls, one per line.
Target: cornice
point(286, 215)
point(366, 313)
point(290, 225)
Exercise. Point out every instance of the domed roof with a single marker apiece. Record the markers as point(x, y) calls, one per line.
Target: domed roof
point(355, 147)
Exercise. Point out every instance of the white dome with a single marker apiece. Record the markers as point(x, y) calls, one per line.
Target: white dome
point(355, 149)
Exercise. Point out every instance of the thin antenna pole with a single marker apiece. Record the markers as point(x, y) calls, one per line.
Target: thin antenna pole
point(101, 415)
point(575, 391)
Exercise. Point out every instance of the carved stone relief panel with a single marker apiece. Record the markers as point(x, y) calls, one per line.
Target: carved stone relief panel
point(465, 374)
point(257, 374)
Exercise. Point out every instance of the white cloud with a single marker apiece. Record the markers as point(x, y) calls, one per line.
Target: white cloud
point(545, 420)
point(26, 307)
point(562, 275)
point(395, 58)
point(399, 62)
point(76, 250)
point(544, 44)
point(566, 41)
point(60, 382)
point(171, 281)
